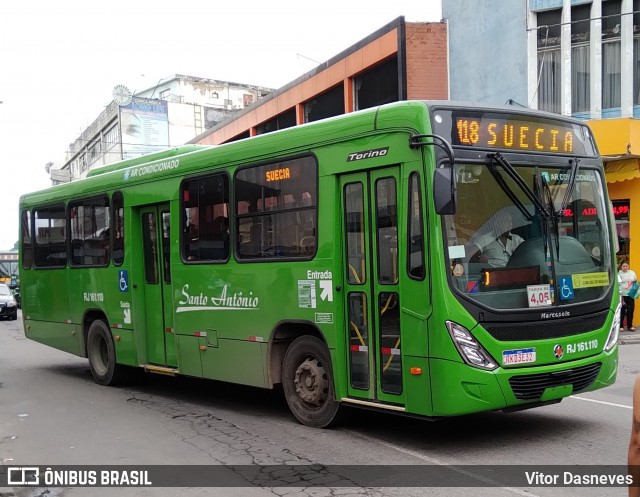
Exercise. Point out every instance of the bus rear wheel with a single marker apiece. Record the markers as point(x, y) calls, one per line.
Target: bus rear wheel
point(307, 382)
point(101, 353)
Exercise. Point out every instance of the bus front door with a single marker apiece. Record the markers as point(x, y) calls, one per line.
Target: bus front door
point(372, 298)
point(160, 343)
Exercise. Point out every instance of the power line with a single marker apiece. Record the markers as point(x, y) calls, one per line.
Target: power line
point(582, 20)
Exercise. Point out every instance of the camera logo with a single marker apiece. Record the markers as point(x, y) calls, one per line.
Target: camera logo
point(23, 476)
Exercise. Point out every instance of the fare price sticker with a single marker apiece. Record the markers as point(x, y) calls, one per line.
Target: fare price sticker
point(539, 295)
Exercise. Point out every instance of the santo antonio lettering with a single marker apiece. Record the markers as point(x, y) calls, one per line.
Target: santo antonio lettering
point(225, 301)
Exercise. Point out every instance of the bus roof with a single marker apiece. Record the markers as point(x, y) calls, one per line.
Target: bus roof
point(143, 159)
point(407, 116)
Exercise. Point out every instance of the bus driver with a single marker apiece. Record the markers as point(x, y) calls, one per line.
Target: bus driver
point(497, 247)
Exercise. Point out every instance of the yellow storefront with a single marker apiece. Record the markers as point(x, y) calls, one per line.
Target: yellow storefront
point(619, 143)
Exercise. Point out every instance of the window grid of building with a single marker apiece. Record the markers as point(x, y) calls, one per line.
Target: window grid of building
point(569, 78)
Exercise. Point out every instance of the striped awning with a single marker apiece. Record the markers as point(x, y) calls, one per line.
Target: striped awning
point(621, 170)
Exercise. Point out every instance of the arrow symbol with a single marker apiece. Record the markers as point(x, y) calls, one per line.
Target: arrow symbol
point(327, 290)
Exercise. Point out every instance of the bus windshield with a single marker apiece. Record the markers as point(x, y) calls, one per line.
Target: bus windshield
point(540, 243)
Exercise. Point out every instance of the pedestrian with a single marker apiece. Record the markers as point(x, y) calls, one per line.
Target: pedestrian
point(633, 456)
point(627, 278)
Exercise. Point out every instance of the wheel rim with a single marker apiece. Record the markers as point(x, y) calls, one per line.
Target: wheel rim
point(311, 383)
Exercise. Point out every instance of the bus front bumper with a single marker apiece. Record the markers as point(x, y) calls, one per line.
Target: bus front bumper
point(460, 389)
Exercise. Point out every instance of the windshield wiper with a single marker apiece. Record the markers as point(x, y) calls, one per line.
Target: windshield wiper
point(499, 159)
point(575, 164)
point(554, 215)
point(508, 192)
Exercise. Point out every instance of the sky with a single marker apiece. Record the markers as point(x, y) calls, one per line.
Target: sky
point(59, 62)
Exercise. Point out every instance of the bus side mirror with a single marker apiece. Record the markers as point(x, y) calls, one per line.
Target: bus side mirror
point(444, 191)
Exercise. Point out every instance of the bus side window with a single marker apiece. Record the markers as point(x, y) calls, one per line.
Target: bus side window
point(89, 228)
point(27, 247)
point(415, 247)
point(276, 209)
point(117, 231)
point(50, 236)
point(205, 229)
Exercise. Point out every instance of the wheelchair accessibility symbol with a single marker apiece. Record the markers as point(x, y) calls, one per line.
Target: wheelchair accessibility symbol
point(123, 280)
point(565, 287)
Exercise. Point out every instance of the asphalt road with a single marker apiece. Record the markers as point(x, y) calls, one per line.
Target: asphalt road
point(51, 413)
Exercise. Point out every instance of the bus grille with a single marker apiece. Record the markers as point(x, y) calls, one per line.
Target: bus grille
point(531, 387)
point(546, 329)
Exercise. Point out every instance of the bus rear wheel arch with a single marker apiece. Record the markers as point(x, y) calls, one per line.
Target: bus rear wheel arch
point(101, 353)
point(307, 381)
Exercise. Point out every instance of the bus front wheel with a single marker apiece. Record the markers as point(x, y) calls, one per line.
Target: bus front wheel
point(307, 382)
point(102, 354)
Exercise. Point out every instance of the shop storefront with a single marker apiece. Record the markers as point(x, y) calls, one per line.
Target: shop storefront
point(619, 143)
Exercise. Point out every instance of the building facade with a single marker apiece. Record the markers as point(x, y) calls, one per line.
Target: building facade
point(168, 114)
point(578, 58)
point(487, 51)
point(572, 57)
point(400, 61)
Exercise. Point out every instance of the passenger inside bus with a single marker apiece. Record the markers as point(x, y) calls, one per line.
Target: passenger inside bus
point(253, 247)
point(191, 237)
point(219, 239)
point(104, 249)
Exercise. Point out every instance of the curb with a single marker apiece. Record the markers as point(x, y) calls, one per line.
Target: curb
point(628, 337)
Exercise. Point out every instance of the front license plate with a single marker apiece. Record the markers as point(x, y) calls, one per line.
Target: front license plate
point(520, 356)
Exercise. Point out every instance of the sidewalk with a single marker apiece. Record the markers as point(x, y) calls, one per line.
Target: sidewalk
point(626, 337)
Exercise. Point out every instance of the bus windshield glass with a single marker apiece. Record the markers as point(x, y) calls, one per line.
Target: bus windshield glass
point(533, 238)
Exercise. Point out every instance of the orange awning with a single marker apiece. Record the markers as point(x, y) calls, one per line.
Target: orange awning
point(621, 170)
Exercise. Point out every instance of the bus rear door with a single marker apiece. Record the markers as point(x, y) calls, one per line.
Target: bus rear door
point(155, 230)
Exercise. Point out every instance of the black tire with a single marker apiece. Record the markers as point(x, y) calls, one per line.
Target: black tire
point(102, 355)
point(307, 381)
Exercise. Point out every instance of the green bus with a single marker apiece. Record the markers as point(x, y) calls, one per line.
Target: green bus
point(352, 261)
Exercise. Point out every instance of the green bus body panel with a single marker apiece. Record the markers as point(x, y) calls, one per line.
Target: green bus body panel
point(198, 358)
point(47, 295)
point(545, 348)
point(189, 353)
point(237, 345)
point(221, 363)
point(418, 387)
point(126, 348)
point(62, 336)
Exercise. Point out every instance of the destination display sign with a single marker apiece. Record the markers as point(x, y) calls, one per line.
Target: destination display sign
point(505, 131)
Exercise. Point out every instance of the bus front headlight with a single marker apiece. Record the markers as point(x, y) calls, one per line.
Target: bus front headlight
point(470, 350)
point(612, 339)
